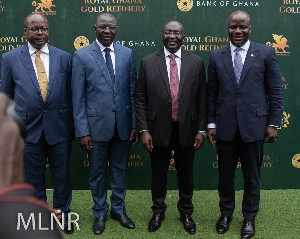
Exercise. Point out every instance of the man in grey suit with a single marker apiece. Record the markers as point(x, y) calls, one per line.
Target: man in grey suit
point(245, 103)
point(172, 115)
point(38, 77)
point(104, 84)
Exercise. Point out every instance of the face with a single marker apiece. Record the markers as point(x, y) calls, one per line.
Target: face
point(239, 28)
point(37, 30)
point(106, 29)
point(172, 36)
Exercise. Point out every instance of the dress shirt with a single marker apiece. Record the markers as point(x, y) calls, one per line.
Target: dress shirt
point(112, 53)
point(44, 57)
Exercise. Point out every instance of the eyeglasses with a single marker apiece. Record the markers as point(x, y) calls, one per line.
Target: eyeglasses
point(35, 30)
point(110, 28)
point(175, 33)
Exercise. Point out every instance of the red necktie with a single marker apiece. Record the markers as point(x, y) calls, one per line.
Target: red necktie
point(174, 87)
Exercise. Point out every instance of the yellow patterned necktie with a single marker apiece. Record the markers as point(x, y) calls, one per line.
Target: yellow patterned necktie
point(42, 76)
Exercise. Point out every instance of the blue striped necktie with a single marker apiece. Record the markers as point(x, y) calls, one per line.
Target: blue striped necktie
point(109, 64)
point(238, 64)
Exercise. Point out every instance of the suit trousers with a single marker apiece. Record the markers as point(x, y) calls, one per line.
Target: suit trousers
point(36, 156)
point(250, 156)
point(184, 161)
point(116, 153)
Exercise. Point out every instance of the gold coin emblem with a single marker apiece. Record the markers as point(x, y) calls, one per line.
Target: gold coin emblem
point(185, 5)
point(296, 161)
point(80, 42)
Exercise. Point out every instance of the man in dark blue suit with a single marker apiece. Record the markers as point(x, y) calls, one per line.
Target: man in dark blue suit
point(42, 92)
point(245, 103)
point(103, 85)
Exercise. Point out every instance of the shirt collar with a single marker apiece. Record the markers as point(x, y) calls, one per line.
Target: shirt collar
point(44, 49)
point(244, 47)
point(111, 47)
point(167, 53)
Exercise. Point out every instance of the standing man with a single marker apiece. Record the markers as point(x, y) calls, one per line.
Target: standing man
point(38, 77)
point(172, 115)
point(103, 84)
point(245, 105)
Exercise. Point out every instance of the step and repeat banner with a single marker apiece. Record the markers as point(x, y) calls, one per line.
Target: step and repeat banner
point(140, 23)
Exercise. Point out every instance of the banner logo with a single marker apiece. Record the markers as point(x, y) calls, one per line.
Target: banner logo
point(185, 5)
point(285, 120)
point(279, 45)
point(81, 42)
point(44, 7)
point(296, 161)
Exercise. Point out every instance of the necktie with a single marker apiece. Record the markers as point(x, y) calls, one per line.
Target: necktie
point(174, 87)
point(42, 76)
point(109, 64)
point(238, 64)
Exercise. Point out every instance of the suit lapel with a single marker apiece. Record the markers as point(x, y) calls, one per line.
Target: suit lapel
point(185, 62)
point(227, 59)
point(250, 58)
point(98, 57)
point(26, 60)
point(52, 67)
point(161, 64)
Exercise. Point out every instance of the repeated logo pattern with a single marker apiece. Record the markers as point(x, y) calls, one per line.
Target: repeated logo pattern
point(42, 76)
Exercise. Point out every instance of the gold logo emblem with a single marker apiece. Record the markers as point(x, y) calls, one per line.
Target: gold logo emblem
point(185, 5)
point(285, 120)
point(80, 42)
point(43, 6)
point(280, 44)
point(296, 161)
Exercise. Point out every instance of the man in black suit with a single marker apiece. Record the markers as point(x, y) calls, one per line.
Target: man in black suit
point(245, 104)
point(171, 115)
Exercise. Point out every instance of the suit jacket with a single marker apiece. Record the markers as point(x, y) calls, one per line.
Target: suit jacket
point(253, 104)
point(154, 104)
point(98, 103)
point(20, 83)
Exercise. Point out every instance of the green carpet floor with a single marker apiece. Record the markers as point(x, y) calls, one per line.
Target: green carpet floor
point(278, 218)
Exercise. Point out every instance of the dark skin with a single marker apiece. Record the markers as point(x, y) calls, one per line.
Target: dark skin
point(105, 37)
point(239, 29)
point(11, 150)
point(39, 39)
point(173, 43)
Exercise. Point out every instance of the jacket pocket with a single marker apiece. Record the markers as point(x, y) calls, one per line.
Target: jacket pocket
point(261, 111)
point(91, 112)
point(64, 113)
point(151, 116)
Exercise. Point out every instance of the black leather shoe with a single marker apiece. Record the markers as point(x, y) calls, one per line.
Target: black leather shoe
point(67, 229)
point(155, 222)
point(222, 225)
point(99, 225)
point(188, 223)
point(123, 219)
point(248, 229)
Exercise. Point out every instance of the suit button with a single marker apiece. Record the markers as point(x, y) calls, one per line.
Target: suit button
point(44, 110)
point(236, 110)
point(238, 96)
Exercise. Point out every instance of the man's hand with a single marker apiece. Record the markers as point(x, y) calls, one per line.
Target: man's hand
point(271, 134)
point(11, 148)
point(199, 140)
point(85, 142)
point(212, 136)
point(134, 136)
point(147, 140)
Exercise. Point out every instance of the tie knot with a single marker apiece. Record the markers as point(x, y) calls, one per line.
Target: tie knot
point(172, 57)
point(238, 49)
point(107, 50)
point(38, 52)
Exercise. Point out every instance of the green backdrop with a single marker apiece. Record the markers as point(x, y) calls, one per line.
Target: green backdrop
point(140, 22)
